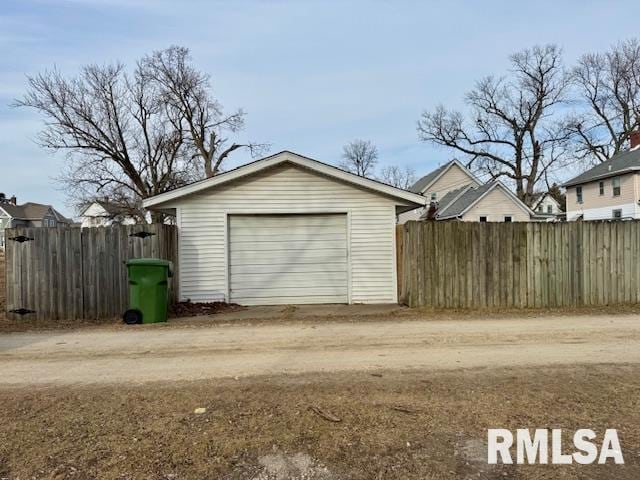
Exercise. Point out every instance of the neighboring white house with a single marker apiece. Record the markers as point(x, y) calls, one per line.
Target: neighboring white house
point(436, 184)
point(102, 213)
point(287, 229)
point(452, 192)
point(491, 202)
point(547, 207)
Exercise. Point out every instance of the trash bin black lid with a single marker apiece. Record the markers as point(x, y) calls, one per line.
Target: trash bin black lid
point(155, 262)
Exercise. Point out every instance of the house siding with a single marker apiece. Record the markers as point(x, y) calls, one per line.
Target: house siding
point(202, 223)
point(597, 207)
point(545, 203)
point(495, 206)
point(452, 179)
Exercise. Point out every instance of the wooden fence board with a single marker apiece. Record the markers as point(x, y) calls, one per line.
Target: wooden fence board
point(73, 273)
point(475, 265)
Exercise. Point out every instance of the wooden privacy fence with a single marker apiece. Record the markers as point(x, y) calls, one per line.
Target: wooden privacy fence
point(73, 273)
point(476, 265)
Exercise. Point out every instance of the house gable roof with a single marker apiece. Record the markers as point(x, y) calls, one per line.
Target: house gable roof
point(470, 196)
point(624, 162)
point(32, 211)
point(14, 211)
point(407, 197)
point(541, 199)
point(432, 177)
point(110, 209)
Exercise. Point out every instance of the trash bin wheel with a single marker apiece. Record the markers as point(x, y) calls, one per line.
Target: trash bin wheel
point(132, 317)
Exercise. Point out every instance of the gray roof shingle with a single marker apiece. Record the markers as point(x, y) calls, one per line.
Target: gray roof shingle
point(424, 182)
point(621, 163)
point(32, 211)
point(468, 198)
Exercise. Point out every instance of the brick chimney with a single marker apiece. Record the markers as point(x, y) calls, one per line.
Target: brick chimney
point(634, 139)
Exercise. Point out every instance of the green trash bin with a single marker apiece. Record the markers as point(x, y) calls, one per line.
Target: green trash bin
point(148, 290)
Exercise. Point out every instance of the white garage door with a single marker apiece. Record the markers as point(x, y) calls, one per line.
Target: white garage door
point(283, 259)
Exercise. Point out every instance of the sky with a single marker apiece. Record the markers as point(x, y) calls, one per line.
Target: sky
point(311, 75)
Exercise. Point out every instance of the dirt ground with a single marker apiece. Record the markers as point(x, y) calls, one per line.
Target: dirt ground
point(393, 425)
point(157, 353)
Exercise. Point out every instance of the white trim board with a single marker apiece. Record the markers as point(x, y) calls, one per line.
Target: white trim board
point(290, 157)
point(443, 172)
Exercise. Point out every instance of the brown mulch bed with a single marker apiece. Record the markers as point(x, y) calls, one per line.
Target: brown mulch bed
point(401, 424)
point(194, 309)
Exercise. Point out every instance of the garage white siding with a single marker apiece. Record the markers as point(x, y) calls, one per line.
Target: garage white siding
point(203, 228)
point(283, 259)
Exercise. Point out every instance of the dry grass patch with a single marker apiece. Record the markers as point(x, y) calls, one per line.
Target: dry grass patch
point(409, 425)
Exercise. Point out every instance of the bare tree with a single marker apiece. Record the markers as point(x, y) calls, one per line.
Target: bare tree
point(189, 91)
point(509, 132)
point(401, 177)
point(359, 157)
point(608, 85)
point(122, 136)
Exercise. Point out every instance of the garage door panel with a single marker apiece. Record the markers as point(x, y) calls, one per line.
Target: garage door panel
point(298, 268)
point(287, 221)
point(280, 259)
point(288, 245)
point(277, 234)
point(281, 280)
point(284, 258)
point(302, 300)
point(267, 293)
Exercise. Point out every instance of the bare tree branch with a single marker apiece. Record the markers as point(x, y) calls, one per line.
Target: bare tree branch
point(188, 91)
point(401, 177)
point(608, 85)
point(508, 132)
point(359, 157)
point(132, 136)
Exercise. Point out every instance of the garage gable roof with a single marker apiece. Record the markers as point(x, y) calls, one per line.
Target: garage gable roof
point(280, 158)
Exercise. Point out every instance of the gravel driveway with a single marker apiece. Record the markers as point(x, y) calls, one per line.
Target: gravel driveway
point(151, 354)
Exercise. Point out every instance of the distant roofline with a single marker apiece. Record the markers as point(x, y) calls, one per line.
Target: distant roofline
point(448, 165)
point(495, 184)
point(613, 173)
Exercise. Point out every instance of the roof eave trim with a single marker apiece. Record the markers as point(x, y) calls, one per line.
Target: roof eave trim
point(6, 213)
point(571, 182)
point(497, 184)
point(281, 158)
point(450, 164)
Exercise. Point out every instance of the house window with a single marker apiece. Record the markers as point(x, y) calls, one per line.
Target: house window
point(601, 187)
point(483, 219)
point(507, 218)
point(549, 208)
point(579, 194)
point(617, 213)
point(540, 209)
point(615, 183)
point(434, 196)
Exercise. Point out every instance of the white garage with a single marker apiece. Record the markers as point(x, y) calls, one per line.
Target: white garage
point(287, 230)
